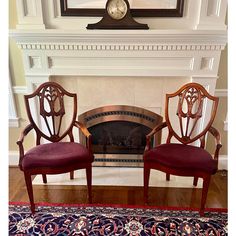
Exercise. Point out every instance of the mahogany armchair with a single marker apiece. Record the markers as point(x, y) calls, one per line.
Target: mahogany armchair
point(185, 156)
point(58, 155)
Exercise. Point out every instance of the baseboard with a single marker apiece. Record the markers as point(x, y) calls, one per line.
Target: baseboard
point(221, 92)
point(13, 122)
point(19, 89)
point(223, 162)
point(14, 160)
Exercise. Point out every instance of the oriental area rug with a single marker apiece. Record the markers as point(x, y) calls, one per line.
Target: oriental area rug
point(82, 220)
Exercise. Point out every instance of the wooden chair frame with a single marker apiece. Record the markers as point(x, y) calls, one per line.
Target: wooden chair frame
point(49, 91)
point(196, 93)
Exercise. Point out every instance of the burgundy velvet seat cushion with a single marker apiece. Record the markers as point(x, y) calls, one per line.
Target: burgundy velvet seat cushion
point(180, 156)
point(56, 155)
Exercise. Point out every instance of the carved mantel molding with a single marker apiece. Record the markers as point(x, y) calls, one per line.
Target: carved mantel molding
point(159, 52)
point(168, 39)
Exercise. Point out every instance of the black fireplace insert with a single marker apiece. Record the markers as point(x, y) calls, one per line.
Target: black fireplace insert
point(119, 137)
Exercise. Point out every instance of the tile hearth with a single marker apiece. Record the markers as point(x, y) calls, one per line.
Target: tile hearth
point(118, 176)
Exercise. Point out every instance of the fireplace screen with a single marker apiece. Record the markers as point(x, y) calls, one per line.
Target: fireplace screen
point(119, 137)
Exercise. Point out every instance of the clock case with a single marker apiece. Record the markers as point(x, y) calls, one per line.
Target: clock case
point(127, 22)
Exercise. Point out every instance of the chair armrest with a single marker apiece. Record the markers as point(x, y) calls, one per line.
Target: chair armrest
point(216, 134)
point(20, 141)
point(83, 128)
point(150, 135)
point(86, 133)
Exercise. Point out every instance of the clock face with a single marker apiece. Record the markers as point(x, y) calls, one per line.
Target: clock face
point(117, 9)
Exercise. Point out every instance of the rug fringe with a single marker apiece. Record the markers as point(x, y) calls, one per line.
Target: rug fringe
point(122, 206)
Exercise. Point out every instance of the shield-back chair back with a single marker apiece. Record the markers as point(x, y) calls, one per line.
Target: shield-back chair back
point(183, 154)
point(61, 154)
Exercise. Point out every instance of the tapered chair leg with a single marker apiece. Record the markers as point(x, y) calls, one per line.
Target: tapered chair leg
point(44, 178)
point(206, 183)
point(72, 175)
point(29, 186)
point(146, 176)
point(195, 180)
point(167, 177)
point(89, 182)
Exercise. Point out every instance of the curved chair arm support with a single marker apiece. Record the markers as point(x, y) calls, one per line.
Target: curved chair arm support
point(83, 128)
point(149, 136)
point(86, 133)
point(216, 134)
point(20, 141)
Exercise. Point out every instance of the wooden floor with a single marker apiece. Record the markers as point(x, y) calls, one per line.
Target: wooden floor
point(178, 197)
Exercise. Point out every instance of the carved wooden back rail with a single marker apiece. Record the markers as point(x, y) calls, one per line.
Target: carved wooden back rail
point(191, 98)
point(51, 110)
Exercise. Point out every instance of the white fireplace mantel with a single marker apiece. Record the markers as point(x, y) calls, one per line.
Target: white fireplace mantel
point(187, 46)
point(121, 53)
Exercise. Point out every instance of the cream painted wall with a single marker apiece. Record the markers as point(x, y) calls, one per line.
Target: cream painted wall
point(222, 83)
point(219, 124)
point(15, 132)
point(16, 66)
point(18, 79)
point(12, 14)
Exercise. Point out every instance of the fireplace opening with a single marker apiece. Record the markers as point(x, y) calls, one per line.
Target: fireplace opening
point(119, 137)
point(119, 133)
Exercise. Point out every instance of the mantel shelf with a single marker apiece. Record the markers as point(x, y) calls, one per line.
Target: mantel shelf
point(117, 36)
